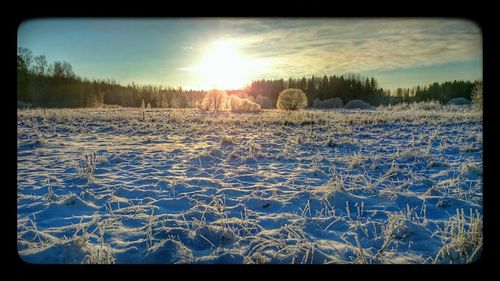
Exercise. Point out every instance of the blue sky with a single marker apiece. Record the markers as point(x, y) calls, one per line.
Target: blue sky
point(397, 52)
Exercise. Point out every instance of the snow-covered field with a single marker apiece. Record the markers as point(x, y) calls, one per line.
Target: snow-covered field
point(393, 185)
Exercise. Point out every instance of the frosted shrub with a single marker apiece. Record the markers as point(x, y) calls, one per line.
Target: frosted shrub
point(328, 103)
point(292, 99)
point(459, 101)
point(237, 104)
point(264, 102)
point(317, 103)
point(358, 104)
point(247, 105)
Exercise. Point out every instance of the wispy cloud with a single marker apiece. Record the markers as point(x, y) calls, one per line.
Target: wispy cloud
point(187, 69)
point(305, 46)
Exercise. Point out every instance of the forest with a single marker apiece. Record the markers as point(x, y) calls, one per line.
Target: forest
point(41, 84)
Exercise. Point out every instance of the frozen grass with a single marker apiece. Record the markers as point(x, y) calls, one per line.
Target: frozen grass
point(87, 169)
point(122, 185)
point(462, 241)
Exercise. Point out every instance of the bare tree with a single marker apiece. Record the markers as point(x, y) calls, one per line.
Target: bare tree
point(215, 100)
point(220, 99)
point(26, 55)
point(477, 95)
point(41, 65)
point(67, 69)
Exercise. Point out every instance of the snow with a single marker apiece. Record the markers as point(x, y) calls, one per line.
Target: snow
point(185, 186)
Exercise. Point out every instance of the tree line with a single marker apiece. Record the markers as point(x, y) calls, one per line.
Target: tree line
point(442, 92)
point(56, 85)
point(347, 87)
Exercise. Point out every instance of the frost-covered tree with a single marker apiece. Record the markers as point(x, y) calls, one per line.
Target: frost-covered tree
point(292, 99)
point(477, 95)
point(215, 100)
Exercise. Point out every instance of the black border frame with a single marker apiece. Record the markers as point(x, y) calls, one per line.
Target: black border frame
point(490, 193)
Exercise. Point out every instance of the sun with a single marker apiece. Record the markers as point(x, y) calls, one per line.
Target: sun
point(224, 67)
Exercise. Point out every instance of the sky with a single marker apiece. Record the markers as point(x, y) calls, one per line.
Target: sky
point(230, 52)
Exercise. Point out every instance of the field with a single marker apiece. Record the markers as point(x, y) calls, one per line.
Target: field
point(397, 184)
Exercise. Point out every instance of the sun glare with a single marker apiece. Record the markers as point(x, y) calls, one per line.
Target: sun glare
point(223, 66)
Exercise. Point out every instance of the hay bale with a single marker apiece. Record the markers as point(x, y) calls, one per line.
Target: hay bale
point(358, 104)
point(459, 101)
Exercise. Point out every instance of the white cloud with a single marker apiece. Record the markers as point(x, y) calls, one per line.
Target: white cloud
point(308, 46)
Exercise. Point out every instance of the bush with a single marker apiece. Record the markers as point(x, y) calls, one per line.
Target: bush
point(459, 101)
point(477, 95)
point(237, 104)
point(292, 99)
point(329, 103)
point(358, 104)
point(333, 103)
point(317, 103)
point(264, 102)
